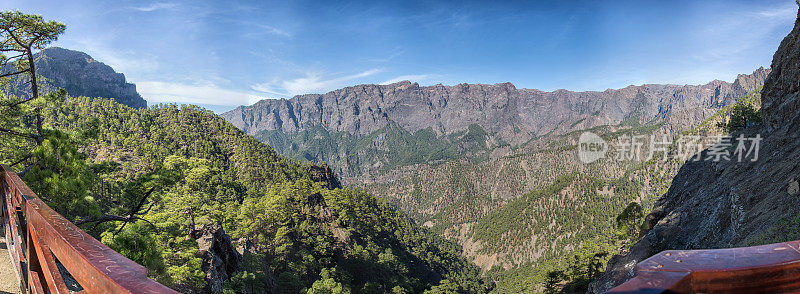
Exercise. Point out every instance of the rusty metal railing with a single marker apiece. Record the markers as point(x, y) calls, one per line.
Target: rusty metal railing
point(773, 268)
point(36, 236)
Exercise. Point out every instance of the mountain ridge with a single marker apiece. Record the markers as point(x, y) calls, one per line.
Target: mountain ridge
point(80, 75)
point(290, 114)
point(352, 128)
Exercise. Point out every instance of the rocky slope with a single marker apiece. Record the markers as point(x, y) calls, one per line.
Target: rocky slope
point(730, 203)
point(81, 75)
point(509, 116)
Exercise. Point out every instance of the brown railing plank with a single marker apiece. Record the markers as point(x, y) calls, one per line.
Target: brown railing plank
point(4, 213)
point(35, 283)
point(724, 259)
point(55, 282)
point(756, 269)
point(656, 282)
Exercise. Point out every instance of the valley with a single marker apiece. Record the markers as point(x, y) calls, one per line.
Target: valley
point(396, 187)
point(518, 201)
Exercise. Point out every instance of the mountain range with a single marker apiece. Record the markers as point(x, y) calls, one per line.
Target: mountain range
point(510, 117)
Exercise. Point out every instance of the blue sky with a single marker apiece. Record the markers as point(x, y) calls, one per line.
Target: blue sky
point(221, 54)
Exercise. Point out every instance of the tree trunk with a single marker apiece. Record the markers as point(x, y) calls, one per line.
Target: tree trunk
point(34, 92)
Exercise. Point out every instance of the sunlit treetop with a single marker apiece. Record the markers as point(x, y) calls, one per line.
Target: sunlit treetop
point(22, 33)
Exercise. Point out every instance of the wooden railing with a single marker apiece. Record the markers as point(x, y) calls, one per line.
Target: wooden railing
point(37, 236)
point(773, 268)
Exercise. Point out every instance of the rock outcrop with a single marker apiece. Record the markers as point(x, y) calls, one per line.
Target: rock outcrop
point(220, 256)
point(323, 174)
point(81, 75)
point(731, 203)
point(780, 103)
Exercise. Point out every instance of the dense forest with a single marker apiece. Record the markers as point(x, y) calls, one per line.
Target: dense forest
point(189, 168)
point(155, 183)
point(179, 168)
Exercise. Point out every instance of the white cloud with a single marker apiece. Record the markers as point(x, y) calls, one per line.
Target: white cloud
point(788, 11)
point(396, 53)
point(125, 61)
point(200, 92)
point(412, 78)
point(155, 6)
point(312, 83)
point(274, 31)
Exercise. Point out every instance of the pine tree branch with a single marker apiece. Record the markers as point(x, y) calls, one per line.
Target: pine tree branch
point(104, 218)
point(20, 102)
point(27, 169)
point(36, 137)
point(132, 216)
point(14, 73)
point(21, 160)
point(16, 39)
point(135, 210)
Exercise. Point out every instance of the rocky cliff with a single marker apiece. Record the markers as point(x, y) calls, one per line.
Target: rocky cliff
point(372, 133)
point(81, 75)
point(515, 114)
point(731, 203)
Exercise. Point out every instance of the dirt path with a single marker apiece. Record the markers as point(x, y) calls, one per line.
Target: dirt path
point(8, 279)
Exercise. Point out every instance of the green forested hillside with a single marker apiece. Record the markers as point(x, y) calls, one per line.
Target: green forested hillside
point(173, 169)
point(398, 147)
point(573, 237)
point(564, 208)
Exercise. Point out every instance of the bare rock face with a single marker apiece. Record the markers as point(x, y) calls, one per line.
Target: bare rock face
point(220, 256)
point(372, 133)
point(780, 101)
point(81, 75)
point(516, 114)
point(729, 203)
